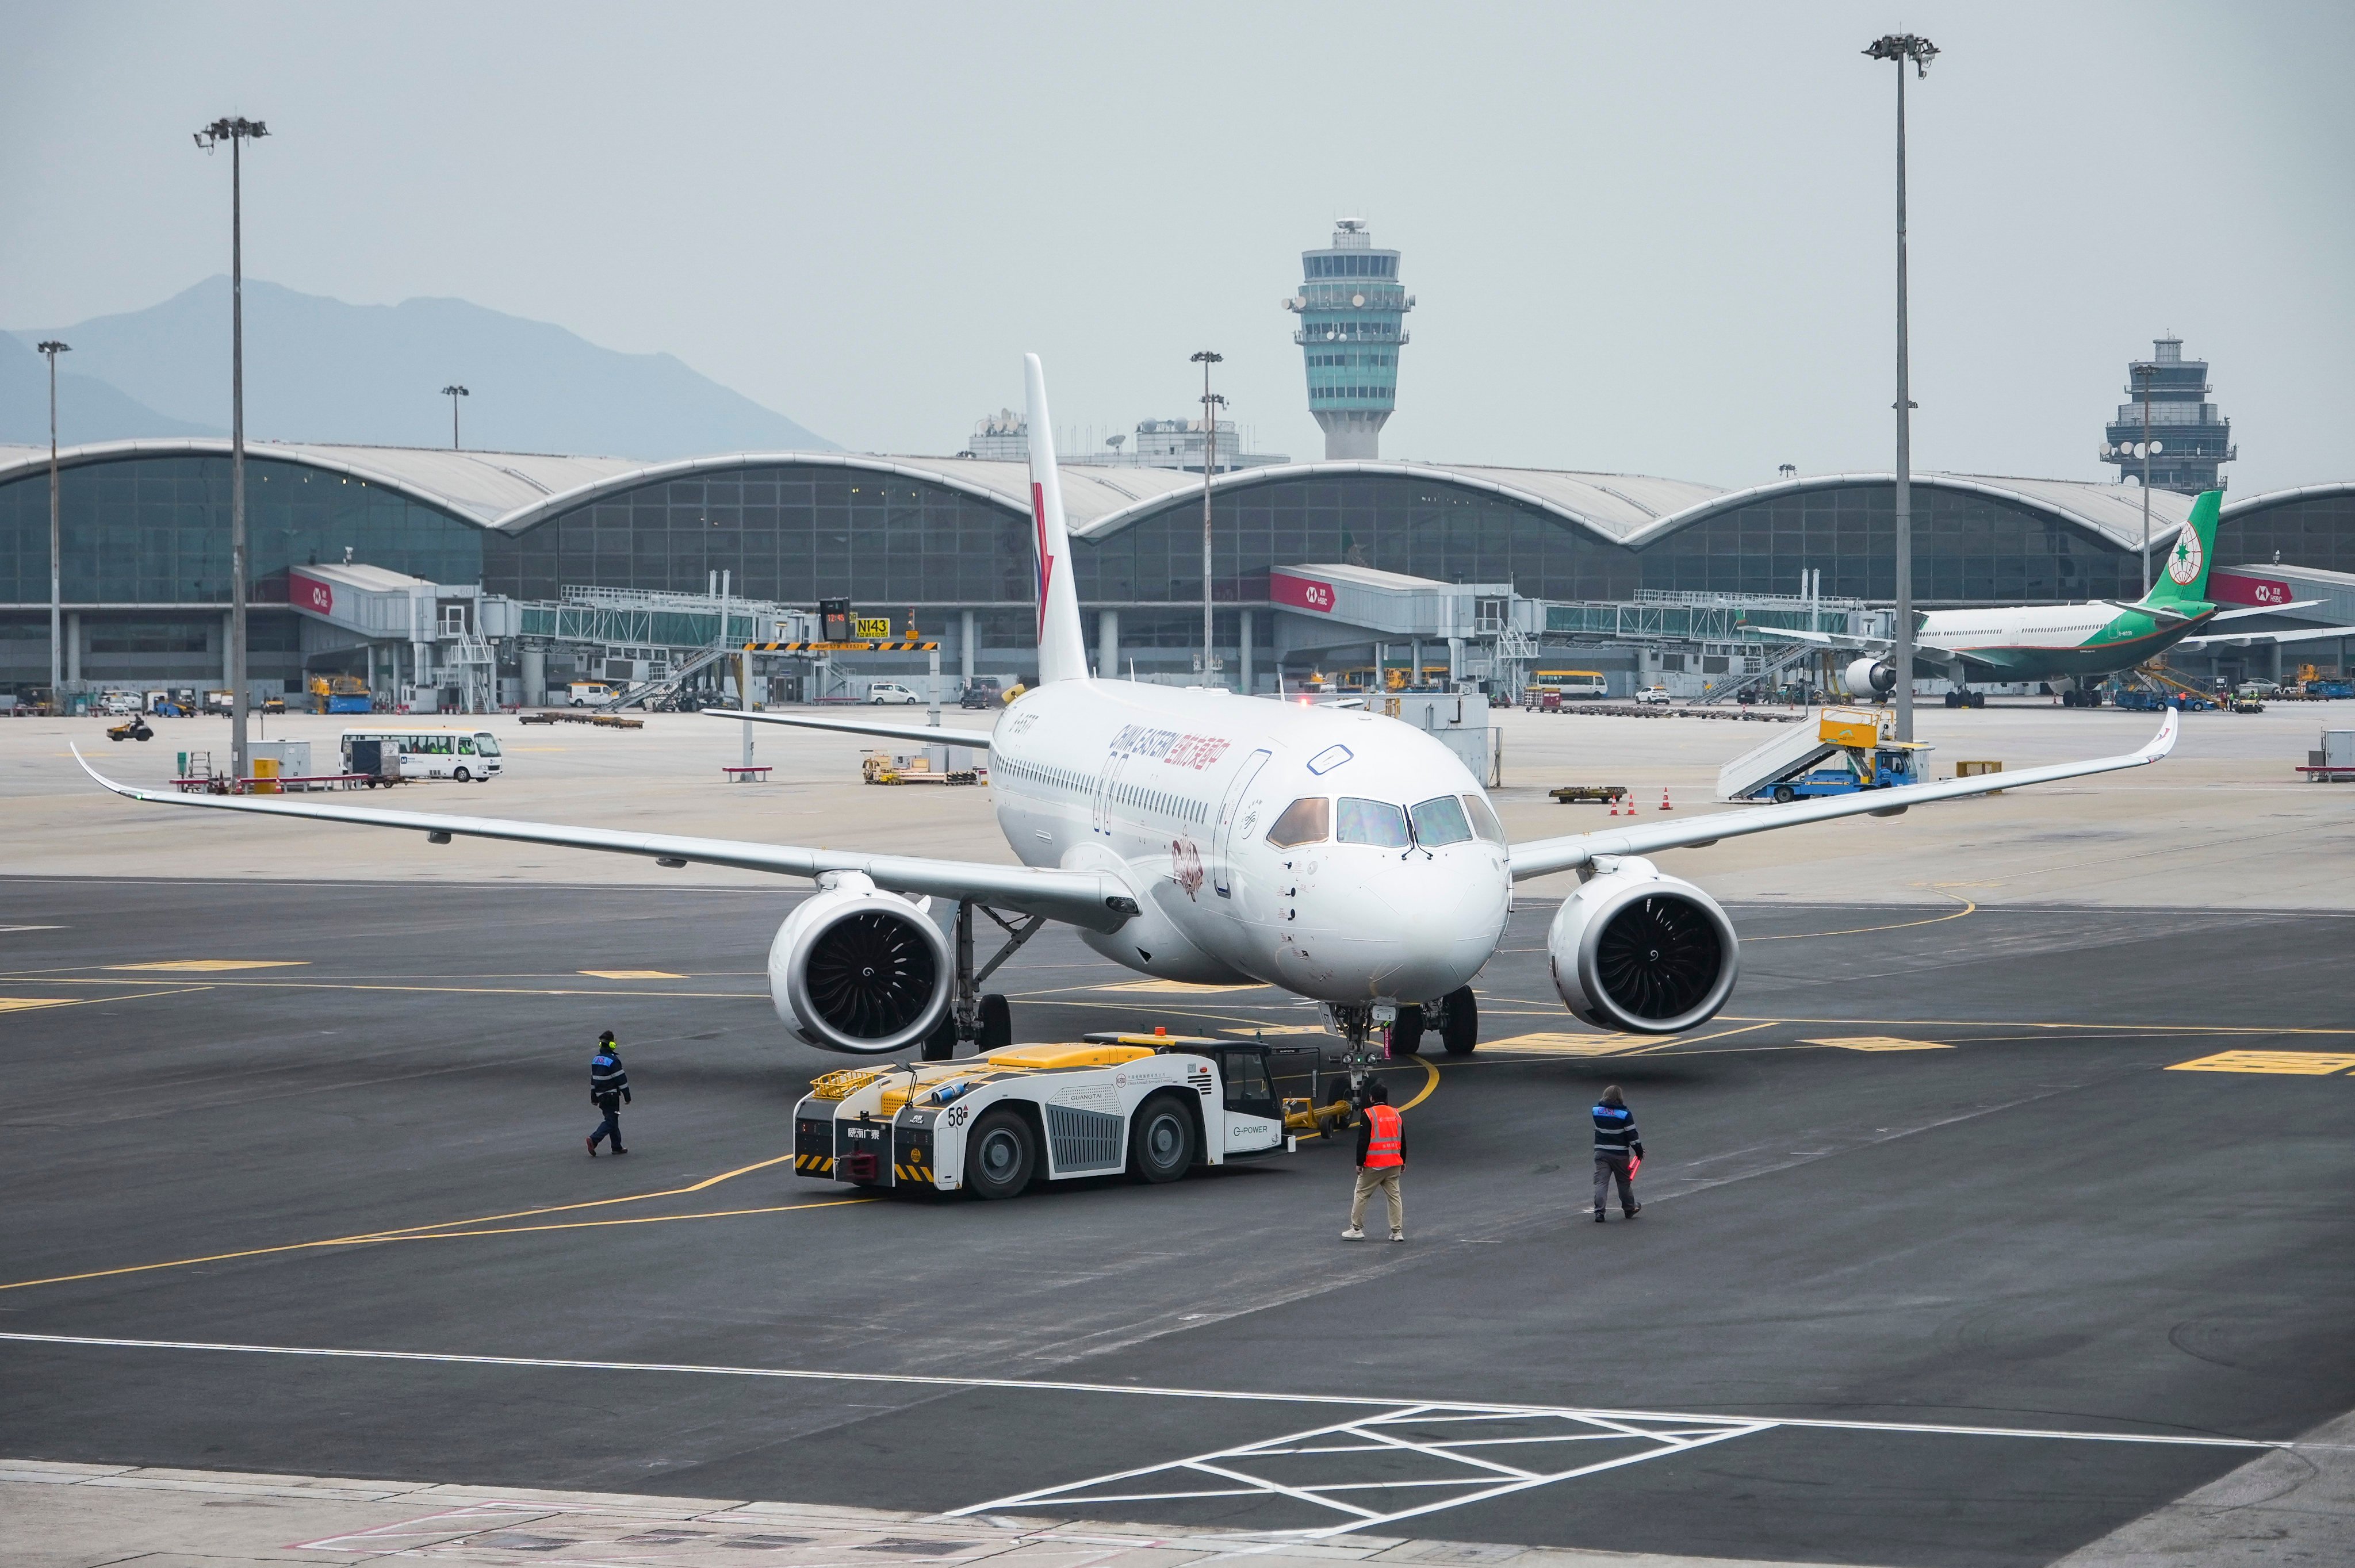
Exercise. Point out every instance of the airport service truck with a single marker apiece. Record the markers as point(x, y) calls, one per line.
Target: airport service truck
point(1150, 1106)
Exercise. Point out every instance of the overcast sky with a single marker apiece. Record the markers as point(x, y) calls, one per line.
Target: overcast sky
point(1644, 238)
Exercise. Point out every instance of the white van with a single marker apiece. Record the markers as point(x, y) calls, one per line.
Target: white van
point(587, 693)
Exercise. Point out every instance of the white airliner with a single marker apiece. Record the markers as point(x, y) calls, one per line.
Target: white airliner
point(1196, 836)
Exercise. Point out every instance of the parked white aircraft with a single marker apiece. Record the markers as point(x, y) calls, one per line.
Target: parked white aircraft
point(1197, 836)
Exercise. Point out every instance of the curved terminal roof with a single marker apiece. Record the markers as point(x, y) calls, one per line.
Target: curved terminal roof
point(515, 491)
point(482, 486)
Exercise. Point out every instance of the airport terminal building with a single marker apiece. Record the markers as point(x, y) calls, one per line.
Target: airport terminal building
point(945, 545)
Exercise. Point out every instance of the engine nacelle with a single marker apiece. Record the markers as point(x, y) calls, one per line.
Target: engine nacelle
point(1869, 677)
point(858, 970)
point(1636, 951)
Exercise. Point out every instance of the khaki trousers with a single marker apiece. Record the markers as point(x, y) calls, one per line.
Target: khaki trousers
point(1386, 1181)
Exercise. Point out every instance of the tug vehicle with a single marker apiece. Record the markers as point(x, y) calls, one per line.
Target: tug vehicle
point(1152, 1106)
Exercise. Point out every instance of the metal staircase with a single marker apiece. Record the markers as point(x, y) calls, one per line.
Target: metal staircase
point(651, 693)
point(1777, 664)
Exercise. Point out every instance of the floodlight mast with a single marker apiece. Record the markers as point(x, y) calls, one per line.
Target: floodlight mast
point(454, 392)
point(236, 131)
point(57, 619)
point(2147, 374)
point(1211, 404)
point(1900, 47)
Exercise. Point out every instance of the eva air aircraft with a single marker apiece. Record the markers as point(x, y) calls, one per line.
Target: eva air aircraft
point(2079, 644)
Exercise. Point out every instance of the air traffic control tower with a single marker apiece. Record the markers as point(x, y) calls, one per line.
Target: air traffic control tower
point(1351, 313)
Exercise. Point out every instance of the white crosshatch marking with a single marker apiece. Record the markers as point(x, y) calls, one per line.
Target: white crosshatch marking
point(1407, 1461)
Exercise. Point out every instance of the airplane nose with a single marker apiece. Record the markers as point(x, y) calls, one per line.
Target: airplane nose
point(1417, 926)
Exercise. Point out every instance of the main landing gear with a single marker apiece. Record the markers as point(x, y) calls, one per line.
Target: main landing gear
point(1456, 1017)
point(1964, 696)
point(982, 1016)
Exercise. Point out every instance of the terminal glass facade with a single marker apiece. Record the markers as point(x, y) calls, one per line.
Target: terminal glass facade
point(2315, 530)
point(155, 530)
point(791, 534)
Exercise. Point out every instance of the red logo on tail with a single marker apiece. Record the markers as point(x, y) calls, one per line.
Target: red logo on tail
point(1046, 562)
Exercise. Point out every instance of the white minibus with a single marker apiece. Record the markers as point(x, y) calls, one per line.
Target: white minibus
point(465, 755)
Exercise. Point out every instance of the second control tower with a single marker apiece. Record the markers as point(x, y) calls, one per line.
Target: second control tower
point(1351, 313)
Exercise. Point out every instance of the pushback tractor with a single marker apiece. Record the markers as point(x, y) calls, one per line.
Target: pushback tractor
point(1148, 1106)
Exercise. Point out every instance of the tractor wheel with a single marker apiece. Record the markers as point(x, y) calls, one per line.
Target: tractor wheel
point(1000, 1153)
point(1161, 1140)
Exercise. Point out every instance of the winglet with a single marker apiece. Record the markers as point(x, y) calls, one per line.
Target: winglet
point(2169, 727)
point(105, 783)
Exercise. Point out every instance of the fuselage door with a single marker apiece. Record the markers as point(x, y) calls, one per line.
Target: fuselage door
point(1222, 877)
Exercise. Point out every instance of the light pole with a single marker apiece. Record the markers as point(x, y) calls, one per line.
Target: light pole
point(454, 392)
point(1211, 404)
point(236, 131)
point(57, 618)
point(2144, 373)
point(1900, 47)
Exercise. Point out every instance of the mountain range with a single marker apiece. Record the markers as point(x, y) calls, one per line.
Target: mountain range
point(317, 369)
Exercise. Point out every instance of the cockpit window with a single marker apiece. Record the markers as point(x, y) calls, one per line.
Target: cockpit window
point(1371, 822)
point(1440, 820)
point(1483, 820)
point(1305, 821)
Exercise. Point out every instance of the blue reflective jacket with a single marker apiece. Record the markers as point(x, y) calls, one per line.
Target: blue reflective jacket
point(1615, 1131)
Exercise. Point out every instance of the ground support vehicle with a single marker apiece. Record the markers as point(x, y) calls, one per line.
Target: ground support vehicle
point(1653, 696)
point(1150, 1106)
point(1844, 751)
point(132, 728)
point(423, 752)
point(888, 691)
point(1597, 794)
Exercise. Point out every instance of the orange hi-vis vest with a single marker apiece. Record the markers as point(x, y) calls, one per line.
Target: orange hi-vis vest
point(1383, 1146)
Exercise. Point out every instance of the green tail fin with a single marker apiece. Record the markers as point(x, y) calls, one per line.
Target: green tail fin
point(2183, 573)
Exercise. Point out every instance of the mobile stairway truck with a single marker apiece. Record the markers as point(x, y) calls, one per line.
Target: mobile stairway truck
point(1838, 750)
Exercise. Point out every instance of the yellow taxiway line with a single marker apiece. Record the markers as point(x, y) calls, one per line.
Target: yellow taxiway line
point(437, 1228)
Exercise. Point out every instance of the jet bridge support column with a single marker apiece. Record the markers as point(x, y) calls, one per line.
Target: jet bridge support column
point(535, 674)
point(964, 643)
point(1245, 620)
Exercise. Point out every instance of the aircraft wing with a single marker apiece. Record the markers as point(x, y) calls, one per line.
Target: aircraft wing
point(1542, 857)
point(2263, 609)
point(2243, 639)
point(1078, 898)
point(882, 728)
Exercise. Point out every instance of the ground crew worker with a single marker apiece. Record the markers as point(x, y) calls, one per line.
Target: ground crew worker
point(1381, 1155)
point(609, 1091)
point(1615, 1138)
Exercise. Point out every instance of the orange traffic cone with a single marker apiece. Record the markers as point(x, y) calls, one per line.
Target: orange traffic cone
point(1664, 799)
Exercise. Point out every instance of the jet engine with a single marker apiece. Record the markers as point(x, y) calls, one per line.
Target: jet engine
point(1638, 951)
point(1869, 677)
point(859, 970)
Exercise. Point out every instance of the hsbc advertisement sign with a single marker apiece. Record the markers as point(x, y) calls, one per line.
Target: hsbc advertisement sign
point(310, 593)
point(2224, 588)
point(1300, 592)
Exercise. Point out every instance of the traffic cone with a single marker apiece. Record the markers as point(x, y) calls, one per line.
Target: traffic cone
point(1664, 799)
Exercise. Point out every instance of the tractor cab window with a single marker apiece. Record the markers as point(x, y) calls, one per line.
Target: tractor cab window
point(1248, 1087)
point(1305, 821)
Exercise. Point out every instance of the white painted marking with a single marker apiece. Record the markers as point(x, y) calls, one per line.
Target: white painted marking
point(1475, 1411)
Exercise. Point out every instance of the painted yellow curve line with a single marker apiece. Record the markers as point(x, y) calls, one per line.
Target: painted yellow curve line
point(1969, 908)
point(440, 1226)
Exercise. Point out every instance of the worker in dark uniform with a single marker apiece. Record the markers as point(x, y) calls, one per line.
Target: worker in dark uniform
point(609, 1091)
point(1381, 1155)
point(1615, 1140)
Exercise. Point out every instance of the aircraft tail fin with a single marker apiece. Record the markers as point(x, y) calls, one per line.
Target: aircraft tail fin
point(2182, 574)
point(1062, 642)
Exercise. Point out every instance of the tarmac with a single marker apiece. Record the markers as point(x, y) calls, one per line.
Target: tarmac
point(1999, 1218)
